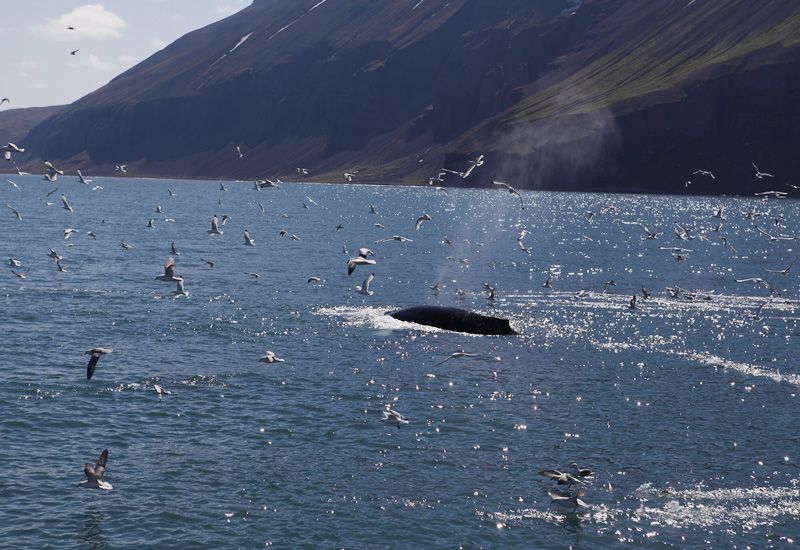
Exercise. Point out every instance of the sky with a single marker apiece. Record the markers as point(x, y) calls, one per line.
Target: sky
point(111, 36)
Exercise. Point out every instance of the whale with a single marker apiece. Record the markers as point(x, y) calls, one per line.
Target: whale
point(455, 319)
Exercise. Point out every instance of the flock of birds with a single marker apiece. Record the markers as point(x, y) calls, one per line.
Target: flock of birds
point(574, 481)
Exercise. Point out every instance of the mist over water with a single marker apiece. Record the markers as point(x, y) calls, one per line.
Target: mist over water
point(685, 407)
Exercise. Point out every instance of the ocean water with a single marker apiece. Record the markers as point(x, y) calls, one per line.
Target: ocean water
point(687, 408)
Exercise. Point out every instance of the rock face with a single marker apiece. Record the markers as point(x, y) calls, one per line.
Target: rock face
point(599, 94)
point(16, 123)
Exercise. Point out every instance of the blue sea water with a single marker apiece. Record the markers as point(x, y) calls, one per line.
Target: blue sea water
point(687, 408)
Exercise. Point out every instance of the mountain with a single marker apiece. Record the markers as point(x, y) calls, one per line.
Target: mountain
point(592, 95)
point(16, 123)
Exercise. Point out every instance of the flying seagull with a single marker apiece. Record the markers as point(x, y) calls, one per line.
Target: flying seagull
point(15, 211)
point(161, 391)
point(391, 416)
point(562, 478)
point(95, 357)
point(179, 290)
point(270, 357)
point(510, 190)
point(67, 206)
point(73, 52)
point(10, 148)
point(364, 288)
point(214, 226)
point(94, 474)
point(82, 179)
point(456, 355)
point(248, 240)
point(422, 219)
point(169, 272)
point(51, 173)
point(705, 173)
point(361, 259)
point(760, 174)
point(399, 238)
point(783, 272)
point(570, 503)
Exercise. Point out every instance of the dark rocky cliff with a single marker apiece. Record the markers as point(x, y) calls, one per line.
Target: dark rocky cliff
point(603, 94)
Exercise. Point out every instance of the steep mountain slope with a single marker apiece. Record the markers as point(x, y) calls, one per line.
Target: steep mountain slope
point(16, 123)
point(606, 94)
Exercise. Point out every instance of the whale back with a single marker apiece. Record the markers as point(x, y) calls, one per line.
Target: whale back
point(455, 319)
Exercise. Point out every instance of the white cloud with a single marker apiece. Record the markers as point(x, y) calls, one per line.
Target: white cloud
point(127, 59)
point(89, 21)
point(231, 7)
point(93, 62)
point(158, 44)
point(39, 86)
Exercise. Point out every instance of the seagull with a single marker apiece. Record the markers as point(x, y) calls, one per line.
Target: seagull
point(125, 246)
point(261, 206)
point(268, 183)
point(399, 238)
point(520, 244)
point(239, 152)
point(82, 179)
point(435, 288)
point(774, 238)
point(94, 474)
point(313, 280)
point(720, 213)
point(225, 219)
point(95, 357)
point(161, 391)
point(68, 233)
point(282, 233)
point(55, 255)
point(173, 249)
point(294, 237)
point(73, 52)
point(151, 223)
point(159, 210)
point(64, 200)
point(51, 173)
point(757, 281)
point(13, 262)
point(757, 314)
point(705, 173)
point(171, 192)
point(339, 227)
point(569, 503)
point(253, 274)
point(312, 201)
point(456, 355)
point(303, 171)
point(646, 293)
point(372, 209)
point(209, 262)
point(270, 357)
point(760, 174)
point(91, 234)
point(179, 290)
point(120, 168)
point(20, 275)
point(510, 190)
point(783, 272)
point(15, 211)
point(364, 288)
point(10, 148)
point(14, 185)
point(61, 268)
point(776, 194)
point(214, 227)
point(348, 176)
point(548, 283)
point(222, 187)
point(21, 173)
point(361, 259)
point(422, 219)
point(169, 272)
point(248, 240)
point(379, 225)
point(632, 303)
point(5, 100)
point(562, 478)
point(390, 416)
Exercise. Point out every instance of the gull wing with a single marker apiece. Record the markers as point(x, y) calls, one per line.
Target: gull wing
point(92, 364)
